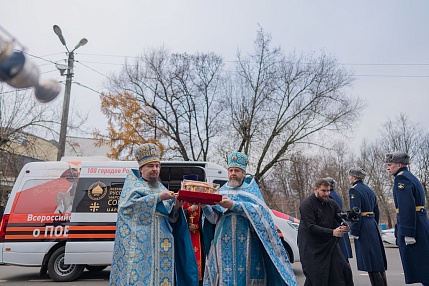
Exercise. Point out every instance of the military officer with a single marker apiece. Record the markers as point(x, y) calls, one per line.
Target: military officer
point(411, 218)
point(369, 249)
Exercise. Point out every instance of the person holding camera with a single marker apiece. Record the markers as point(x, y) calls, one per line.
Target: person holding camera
point(343, 242)
point(369, 249)
point(322, 262)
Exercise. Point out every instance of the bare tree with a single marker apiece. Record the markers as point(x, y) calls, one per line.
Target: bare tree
point(278, 102)
point(20, 115)
point(289, 182)
point(400, 134)
point(20, 118)
point(180, 97)
point(422, 159)
point(336, 161)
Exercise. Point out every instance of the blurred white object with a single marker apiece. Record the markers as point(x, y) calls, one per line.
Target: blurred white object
point(17, 70)
point(47, 90)
point(6, 49)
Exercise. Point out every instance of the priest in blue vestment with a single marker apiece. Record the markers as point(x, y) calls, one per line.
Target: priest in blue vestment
point(152, 241)
point(246, 248)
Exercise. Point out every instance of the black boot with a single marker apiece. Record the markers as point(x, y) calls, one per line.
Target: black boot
point(376, 278)
point(383, 275)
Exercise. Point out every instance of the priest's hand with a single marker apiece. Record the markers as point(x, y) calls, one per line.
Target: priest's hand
point(226, 203)
point(193, 207)
point(166, 195)
point(192, 227)
point(178, 203)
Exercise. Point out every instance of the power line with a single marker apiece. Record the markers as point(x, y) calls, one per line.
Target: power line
point(87, 87)
point(92, 69)
point(382, 75)
point(116, 56)
point(37, 57)
point(102, 63)
point(54, 54)
point(349, 64)
point(387, 64)
point(49, 71)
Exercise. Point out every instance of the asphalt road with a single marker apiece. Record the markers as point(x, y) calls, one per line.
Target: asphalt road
point(394, 273)
point(24, 276)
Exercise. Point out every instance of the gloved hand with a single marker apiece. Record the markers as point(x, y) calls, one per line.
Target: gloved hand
point(354, 237)
point(409, 240)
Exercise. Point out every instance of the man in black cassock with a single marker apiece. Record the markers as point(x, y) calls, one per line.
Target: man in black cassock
point(321, 258)
point(343, 242)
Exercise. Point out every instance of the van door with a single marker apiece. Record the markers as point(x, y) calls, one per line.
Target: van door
point(93, 223)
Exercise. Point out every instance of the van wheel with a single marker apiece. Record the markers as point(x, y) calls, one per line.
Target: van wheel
point(95, 268)
point(58, 271)
point(288, 250)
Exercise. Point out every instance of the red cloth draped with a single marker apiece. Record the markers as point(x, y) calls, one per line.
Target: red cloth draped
point(193, 217)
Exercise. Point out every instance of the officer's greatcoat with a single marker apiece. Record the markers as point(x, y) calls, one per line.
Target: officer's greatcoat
point(412, 221)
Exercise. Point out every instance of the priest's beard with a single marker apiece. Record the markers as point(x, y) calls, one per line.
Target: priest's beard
point(153, 182)
point(235, 183)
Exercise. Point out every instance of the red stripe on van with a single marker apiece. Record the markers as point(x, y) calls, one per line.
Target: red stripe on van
point(37, 218)
point(90, 228)
point(90, 235)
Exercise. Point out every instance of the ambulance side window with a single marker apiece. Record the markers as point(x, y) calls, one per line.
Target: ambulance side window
point(220, 182)
point(172, 176)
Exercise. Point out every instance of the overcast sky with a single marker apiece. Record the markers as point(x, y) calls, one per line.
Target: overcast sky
point(385, 43)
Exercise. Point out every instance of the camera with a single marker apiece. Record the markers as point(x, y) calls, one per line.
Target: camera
point(349, 216)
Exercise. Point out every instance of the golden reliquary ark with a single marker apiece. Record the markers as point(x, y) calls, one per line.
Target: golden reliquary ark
point(199, 192)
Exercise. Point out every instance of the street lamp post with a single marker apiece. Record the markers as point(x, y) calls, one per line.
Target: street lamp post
point(66, 103)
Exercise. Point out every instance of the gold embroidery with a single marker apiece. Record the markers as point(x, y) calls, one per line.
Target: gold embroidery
point(166, 245)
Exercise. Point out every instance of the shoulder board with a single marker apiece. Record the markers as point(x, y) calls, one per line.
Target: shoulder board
point(354, 186)
point(400, 173)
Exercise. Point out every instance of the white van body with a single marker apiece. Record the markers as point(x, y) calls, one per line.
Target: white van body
point(26, 226)
point(41, 228)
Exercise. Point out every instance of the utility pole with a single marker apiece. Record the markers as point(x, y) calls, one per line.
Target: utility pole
point(66, 103)
point(66, 107)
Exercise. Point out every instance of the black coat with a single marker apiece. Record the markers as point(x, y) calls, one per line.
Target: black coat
point(343, 242)
point(322, 261)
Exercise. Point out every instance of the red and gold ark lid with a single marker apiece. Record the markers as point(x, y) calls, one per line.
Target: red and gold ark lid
point(198, 197)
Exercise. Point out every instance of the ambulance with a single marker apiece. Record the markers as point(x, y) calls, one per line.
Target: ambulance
point(61, 216)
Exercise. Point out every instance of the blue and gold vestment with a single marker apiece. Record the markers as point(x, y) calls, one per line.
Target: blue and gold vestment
point(150, 249)
point(246, 249)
